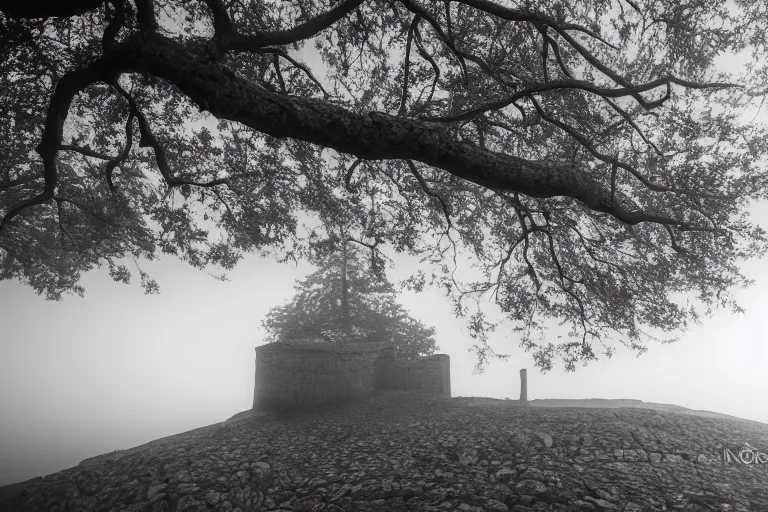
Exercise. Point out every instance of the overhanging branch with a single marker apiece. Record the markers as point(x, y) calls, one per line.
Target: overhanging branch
point(373, 136)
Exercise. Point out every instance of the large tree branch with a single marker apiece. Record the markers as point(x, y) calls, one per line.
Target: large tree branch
point(145, 13)
point(222, 23)
point(374, 136)
point(232, 40)
point(66, 89)
point(30, 9)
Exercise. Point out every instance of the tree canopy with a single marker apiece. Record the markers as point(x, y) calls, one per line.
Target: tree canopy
point(342, 301)
point(594, 159)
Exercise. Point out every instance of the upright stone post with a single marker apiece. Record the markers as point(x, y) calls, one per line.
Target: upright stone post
point(524, 385)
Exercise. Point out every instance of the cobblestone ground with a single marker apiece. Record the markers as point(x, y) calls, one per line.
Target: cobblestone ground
point(397, 451)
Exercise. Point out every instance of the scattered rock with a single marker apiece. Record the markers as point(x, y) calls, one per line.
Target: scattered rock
point(601, 504)
point(533, 486)
point(155, 490)
point(468, 457)
point(212, 498)
point(545, 438)
point(189, 488)
point(495, 505)
point(442, 456)
point(189, 504)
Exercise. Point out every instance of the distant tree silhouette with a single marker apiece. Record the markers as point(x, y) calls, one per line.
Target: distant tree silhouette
point(346, 301)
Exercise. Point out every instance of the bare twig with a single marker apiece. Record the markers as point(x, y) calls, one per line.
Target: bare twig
point(407, 65)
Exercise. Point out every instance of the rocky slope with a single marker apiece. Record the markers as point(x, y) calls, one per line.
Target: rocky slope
point(399, 451)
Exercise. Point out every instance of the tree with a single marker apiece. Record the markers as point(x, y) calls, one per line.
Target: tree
point(590, 157)
point(343, 300)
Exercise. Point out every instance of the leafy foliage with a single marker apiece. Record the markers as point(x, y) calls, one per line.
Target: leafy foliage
point(593, 158)
point(316, 310)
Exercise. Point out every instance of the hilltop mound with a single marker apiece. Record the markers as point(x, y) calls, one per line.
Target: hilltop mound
point(400, 451)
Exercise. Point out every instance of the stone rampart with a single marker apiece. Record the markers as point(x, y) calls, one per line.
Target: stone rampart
point(430, 374)
point(309, 375)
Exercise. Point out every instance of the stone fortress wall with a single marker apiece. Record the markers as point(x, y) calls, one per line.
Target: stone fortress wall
point(308, 375)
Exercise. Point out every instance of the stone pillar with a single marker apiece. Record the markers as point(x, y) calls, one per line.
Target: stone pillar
point(524, 385)
point(256, 380)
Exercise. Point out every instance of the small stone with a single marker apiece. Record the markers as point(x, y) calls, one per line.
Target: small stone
point(632, 507)
point(545, 438)
point(261, 467)
point(446, 505)
point(212, 498)
point(532, 474)
point(602, 504)
point(464, 507)
point(189, 504)
point(495, 505)
point(605, 495)
point(183, 476)
point(618, 453)
point(155, 489)
point(504, 475)
point(468, 457)
point(188, 488)
point(531, 486)
point(317, 482)
point(526, 499)
point(654, 457)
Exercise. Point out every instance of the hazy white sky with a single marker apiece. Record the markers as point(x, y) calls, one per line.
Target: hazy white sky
point(119, 368)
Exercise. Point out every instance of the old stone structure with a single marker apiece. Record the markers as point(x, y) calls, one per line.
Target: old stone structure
point(308, 375)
